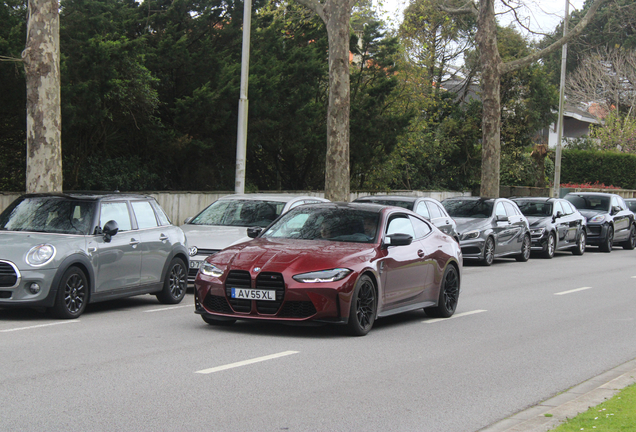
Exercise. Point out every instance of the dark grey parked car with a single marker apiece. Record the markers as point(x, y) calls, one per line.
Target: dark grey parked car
point(63, 251)
point(609, 220)
point(490, 228)
point(426, 207)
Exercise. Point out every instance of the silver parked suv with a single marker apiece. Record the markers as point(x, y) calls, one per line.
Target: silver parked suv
point(63, 251)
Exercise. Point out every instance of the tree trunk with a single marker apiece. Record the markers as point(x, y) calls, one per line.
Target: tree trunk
point(490, 84)
point(44, 128)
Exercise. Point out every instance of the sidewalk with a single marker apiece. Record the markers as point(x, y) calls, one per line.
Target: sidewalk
point(570, 403)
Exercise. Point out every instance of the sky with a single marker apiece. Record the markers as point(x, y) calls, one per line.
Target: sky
point(542, 15)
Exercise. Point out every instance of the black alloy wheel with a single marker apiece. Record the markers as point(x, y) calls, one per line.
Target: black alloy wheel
point(448, 295)
point(489, 252)
point(550, 246)
point(175, 283)
point(72, 294)
point(525, 249)
point(579, 249)
point(363, 307)
point(606, 246)
point(630, 243)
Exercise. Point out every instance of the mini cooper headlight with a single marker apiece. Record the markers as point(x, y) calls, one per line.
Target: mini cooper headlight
point(40, 255)
point(211, 270)
point(537, 231)
point(470, 235)
point(597, 218)
point(322, 276)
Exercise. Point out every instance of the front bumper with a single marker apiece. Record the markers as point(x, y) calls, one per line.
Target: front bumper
point(597, 233)
point(19, 294)
point(473, 248)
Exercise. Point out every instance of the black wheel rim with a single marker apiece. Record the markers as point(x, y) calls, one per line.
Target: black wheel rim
point(177, 281)
point(551, 245)
point(489, 252)
point(74, 294)
point(451, 289)
point(610, 238)
point(365, 305)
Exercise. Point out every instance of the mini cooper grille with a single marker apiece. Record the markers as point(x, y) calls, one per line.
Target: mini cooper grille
point(217, 304)
point(297, 309)
point(270, 281)
point(238, 279)
point(8, 276)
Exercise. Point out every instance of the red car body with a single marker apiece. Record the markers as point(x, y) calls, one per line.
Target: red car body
point(400, 277)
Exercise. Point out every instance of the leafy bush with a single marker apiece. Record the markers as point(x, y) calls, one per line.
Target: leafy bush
point(608, 167)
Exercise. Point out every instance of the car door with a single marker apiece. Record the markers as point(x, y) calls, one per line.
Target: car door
point(517, 226)
point(502, 229)
point(572, 220)
point(156, 244)
point(439, 218)
point(117, 263)
point(560, 222)
point(621, 219)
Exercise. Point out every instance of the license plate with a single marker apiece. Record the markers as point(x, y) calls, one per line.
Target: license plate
point(195, 264)
point(253, 294)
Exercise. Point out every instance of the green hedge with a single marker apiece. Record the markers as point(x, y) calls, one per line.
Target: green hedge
point(607, 167)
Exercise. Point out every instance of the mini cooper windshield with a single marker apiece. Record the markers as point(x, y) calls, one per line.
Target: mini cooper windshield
point(336, 224)
point(57, 215)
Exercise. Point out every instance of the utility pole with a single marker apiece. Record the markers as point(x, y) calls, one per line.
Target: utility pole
point(564, 56)
point(241, 135)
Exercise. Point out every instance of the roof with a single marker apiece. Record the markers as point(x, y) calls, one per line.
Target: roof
point(270, 197)
point(88, 195)
point(387, 198)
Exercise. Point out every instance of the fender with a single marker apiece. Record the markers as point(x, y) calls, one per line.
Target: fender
point(180, 252)
point(85, 264)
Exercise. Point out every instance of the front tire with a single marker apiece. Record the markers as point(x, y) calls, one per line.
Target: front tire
point(580, 245)
point(525, 249)
point(448, 295)
point(363, 307)
point(550, 247)
point(489, 252)
point(175, 283)
point(72, 294)
point(630, 243)
point(606, 246)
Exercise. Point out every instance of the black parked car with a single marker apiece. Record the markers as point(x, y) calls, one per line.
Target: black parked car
point(631, 203)
point(554, 225)
point(609, 220)
point(426, 207)
point(490, 228)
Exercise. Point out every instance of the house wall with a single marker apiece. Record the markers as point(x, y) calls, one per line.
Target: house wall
point(572, 128)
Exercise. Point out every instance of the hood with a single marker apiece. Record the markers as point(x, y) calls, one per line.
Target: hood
point(471, 224)
point(213, 236)
point(538, 221)
point(591, 213)
point(297, 256)
point(14, 245)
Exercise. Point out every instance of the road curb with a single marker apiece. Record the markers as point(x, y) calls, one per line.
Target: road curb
point(569, 404)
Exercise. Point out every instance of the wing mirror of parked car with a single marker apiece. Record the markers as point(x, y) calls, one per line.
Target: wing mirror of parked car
point(397, 239)
point(188, 220)
point(253, 232)
point(556, 216)
point(110, 229)
point(615, 210)
point(502, 218)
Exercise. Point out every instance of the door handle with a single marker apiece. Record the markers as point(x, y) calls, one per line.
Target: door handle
point(163, 237)
point(420, 253)
point(92, 249)
point(134, 242)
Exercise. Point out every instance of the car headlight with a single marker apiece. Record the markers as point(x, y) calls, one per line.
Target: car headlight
point(322, 276)
point(211, 270)
point(597, 218)
point(537, 231)
point(470, 235)
point(40, 255)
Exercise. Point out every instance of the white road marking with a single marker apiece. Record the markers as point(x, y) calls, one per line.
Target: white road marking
point(38, 326)
point(572, 291)
point(455, 316)
point(169, 308)
point(245, 362)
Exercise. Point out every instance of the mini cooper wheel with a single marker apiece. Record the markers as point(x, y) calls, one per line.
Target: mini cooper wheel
point(525, 250)
point(448, 295)
point(175, 283)
point(72, 294)
point(579, 249)
point(363, 307)
point(607, 244)
point(630, 243)
point(489, 252)
point(550, 247)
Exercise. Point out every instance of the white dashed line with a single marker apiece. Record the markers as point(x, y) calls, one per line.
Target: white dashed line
point(246, 362)
point(454, 316)
point(38, 326)
point(169, 308)
point(573, 291)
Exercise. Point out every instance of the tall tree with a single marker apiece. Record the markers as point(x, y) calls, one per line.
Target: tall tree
point(492, 67)
point(44, 117)
point(336, 14)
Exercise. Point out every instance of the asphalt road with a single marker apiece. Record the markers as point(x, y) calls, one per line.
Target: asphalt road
point(523, 332)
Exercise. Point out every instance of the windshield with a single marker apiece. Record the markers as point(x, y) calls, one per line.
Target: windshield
point(58, 215)
point(535, 208)
point(404, 204)
point(336, 224)
point(244, 213)
point(590, 202)
point(469, 208)
point(631, 205)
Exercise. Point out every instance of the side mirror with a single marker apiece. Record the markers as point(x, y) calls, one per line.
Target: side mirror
point(110, 229)
point(615, 209)
point(188, 220)
point(502, 218)
point(558, 215)
point(254, 232)
point(398, 240)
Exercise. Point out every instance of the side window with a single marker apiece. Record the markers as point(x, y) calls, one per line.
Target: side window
point(622, 203)
point(117, 211)
point(163, 217)
point(422, 229)
point(401, 225)
point(435, 213)
point(615, 202)
point(422, 210)
point(567, 208)
point(510, 209)
point(558, 208)
point(144, 214)
point(500, 210)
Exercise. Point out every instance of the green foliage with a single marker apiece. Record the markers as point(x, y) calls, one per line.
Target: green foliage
point(618, 133)
point(608, 167)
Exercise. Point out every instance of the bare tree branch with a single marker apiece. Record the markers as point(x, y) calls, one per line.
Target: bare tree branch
point(10, 59)
point(315, 6)
point(468, 9)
